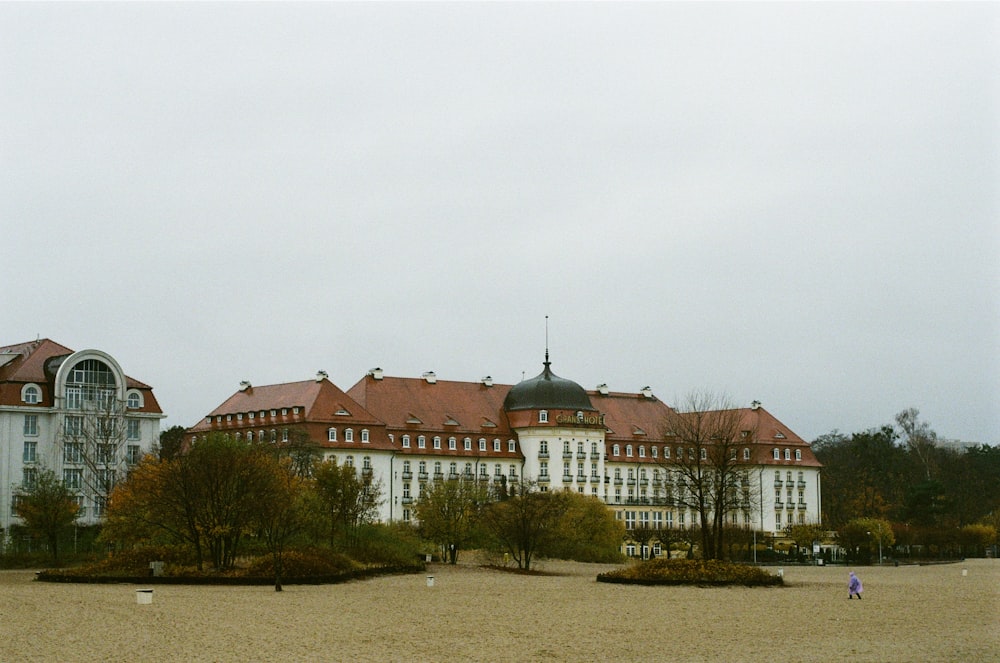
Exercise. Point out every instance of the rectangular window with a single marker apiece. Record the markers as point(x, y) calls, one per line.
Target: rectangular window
point(452, 443)
point(73, 398)
point(437, 442)
point(132, 454)
point(349, 435)
point(421, 442)
point(331, 434)
point(132, 428)
point(105, 453)
point(73, 479)
point(482, 444)
point(73, 452)
point(30, 449)
point(28, 477)
point(31, 424)
point(364, 436)
point(468, 444)
point(406, 441)
point(511, 446)
point(543, 469)
point(496, 445)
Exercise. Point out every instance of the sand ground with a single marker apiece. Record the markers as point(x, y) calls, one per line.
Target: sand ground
point(909, 613)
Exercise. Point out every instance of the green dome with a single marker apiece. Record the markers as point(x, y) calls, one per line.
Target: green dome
point(547, 391)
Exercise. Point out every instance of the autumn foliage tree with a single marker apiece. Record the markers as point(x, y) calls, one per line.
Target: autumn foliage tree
point(47, 507)
point(449, 512)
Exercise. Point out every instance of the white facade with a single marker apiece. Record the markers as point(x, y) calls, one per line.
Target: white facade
point(55, 408)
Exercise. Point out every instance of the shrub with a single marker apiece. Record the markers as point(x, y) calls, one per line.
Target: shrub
point(691, 572)
point(302, 564)
point(394, 545)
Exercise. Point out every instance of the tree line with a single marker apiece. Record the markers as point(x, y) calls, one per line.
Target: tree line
point(902, 487)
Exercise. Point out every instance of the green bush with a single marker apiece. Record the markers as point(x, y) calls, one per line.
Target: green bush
point(302, 564)
point(691, 572)
point(394, 545)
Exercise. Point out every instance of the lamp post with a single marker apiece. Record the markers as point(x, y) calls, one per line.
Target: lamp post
point(879, 543)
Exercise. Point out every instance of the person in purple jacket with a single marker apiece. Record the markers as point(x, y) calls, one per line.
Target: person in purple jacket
point(854, 587)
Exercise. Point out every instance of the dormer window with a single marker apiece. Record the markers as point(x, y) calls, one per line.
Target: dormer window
point(406, 441)
point(331, 434)
point(642, 452)
point(798, 454)
point(421, 442)
point(348, 435)
point(543, 416)
point(746, 454)
point(777, 454)
point(452, 443)
point(615, 450)
point(133, 401)
point(31, 394)
point(482, 444)
point(788, 454)
point(364, 436)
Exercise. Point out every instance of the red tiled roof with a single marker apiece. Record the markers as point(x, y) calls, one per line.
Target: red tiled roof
point(398, 401)
point(320, 401)
point(29, 366)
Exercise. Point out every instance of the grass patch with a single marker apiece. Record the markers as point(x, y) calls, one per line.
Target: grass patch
point(703, 573)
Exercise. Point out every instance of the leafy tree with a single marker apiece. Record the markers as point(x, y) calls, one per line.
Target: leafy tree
point(171, 442)
point(347, 500)
point(586, 532)
point(707, 434)
point(208, 497)
point(448, 512)
point(805, 535)
point(47, 508)
point(303, 453)
point(282, 511)
point(525, 522)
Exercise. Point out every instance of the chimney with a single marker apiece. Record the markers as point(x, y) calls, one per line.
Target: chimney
point(376, 373)
point(321, 375)
point(647, 392)
point(430, 377)
point(246, 386)
point(603, 388)
point(755, 405)
point(488, 381)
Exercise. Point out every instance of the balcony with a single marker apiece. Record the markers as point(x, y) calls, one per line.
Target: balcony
point(567, 478)
point(422, 476)
point(512, 479)
point(581, 455)
point(543, 454)
point(595, 479)
point(407, 500)
point(407, 475)
point(439, 476)
point(618, 481)
point(543, 478)
point(778, 483)
point(582, 478)
point(779, 505)
point(567, 454)
point(453, 476)
point(366, 471)
point(643, 482)
point(802, 484)
point(802, 506)
point(631, 482)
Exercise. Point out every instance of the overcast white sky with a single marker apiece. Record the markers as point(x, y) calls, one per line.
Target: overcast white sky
point(797, 203)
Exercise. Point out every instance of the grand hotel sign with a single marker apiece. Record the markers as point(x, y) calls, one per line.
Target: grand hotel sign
point(587, 419)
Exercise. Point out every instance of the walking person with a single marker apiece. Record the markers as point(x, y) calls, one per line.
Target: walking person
point(854, 587)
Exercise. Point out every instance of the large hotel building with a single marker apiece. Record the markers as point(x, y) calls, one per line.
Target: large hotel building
point(407, 432)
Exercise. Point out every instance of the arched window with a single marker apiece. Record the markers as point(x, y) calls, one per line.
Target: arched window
point(777, 454)
point(364, 435)
point(628, 450)
point(133, 401)
point(798, 454)
point(788, 454)
point(30, 394)
point(331, 434)
point(348, 435)
point(349, 461)
point(746, 454)
point(615, 450)
point(406, 441)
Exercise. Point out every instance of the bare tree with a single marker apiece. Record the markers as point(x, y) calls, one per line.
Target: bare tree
point(919, 437)
point(95, 446)
point(712, 477)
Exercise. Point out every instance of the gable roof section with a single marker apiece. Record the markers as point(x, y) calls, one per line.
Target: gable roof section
point(476, 409)
point(320, 403)
point(626, 414)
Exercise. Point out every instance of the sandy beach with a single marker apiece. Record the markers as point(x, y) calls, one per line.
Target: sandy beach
point(909, 613)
